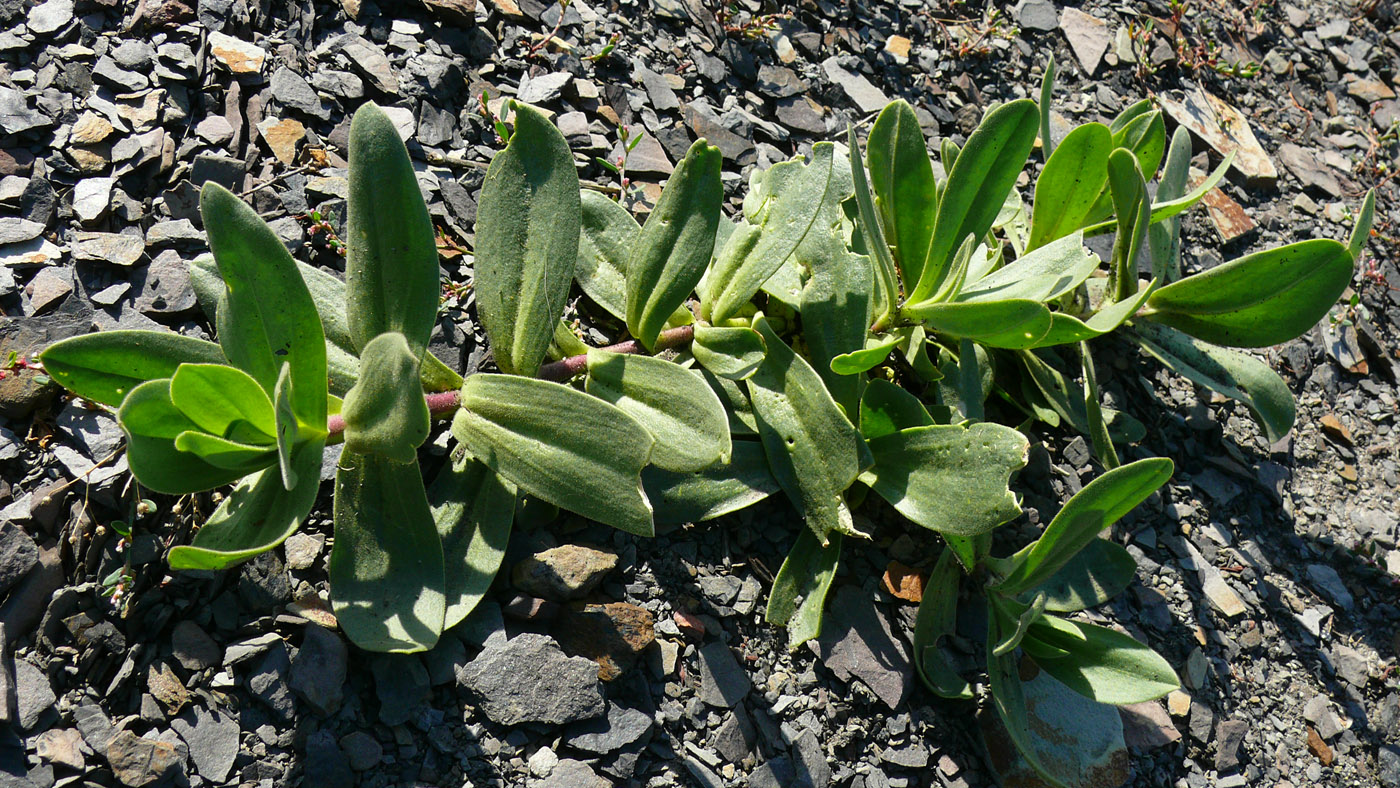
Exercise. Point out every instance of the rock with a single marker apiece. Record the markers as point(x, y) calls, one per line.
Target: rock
point(1351, 665)
point(736, 737)
point(165, 287)
point(619, 728)
point(543, 88)
point(116, 248)
point(1319, 748)
point(302, 549)
point(528, 678)
point(1388, 765)
point(856, 87)
point(294, 92)
point(27, 601)
point(898, 47)
point(362, 750)
point(1310, 171)
point(1369, 90)
point(569, 773)
point(1229, 735)
point(14, 231)
point(268, 681)
point(1038, 15)
point(458, 12)
point(48, 287)
point(1088, 37)
point(50, 17)
point(92, 197)
point(1147, 726)
point(212, 738)
point(18, 555)
point(237, 55)
point(15, 115)
point(326, 766)
point(166, 687)
point(779, 82)
point(659, 91)
point(1329, 584)
point(61, 748)
point(857, 642)
point(136, 761)
point(563, 573)
point(1178, 703)
point(283, 137)
point(226, 171)
point(542, 762)
point(648, 157)
point(34, 693)
point(319, 669)
point(90, 129)
point(723, 683)
point(372, 64)
point(193, 647)
point(613, 635)
point(701, 120)
point(910, 756)
point(1223, 128)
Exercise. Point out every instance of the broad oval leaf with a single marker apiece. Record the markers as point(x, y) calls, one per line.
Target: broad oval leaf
point(527, 236)
point(1100, 504)
point(1074, 176)
point(222, 453)
point(807, 573)
point(473, 509)
point(950, 478)
point(1096, 574)
point(1237, 375)
point(837, 303)
point(104, 367)
point(529, 431)
point(812, 448)
point(901, 176)
point(682, 413)
point(674, 246)
point(1103, 664)
point(1041, 275)
point(151, 423)
point(887, 408)
point(936, 619)
point(1014, 323)
point(224, 401)
point(985, 170)
point(709, 493)
point(732, 352)
point(385, 412)
point(259, 514)
point(1262, 299)
point(607, 234)
point(266, 317)
point(386, 565)
point(391, 261)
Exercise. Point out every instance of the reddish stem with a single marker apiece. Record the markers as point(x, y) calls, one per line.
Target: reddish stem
point(445, 402)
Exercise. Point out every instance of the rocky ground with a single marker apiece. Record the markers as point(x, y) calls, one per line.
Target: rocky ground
point(1268, 572)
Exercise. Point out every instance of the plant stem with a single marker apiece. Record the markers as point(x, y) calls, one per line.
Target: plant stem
point(444, 403)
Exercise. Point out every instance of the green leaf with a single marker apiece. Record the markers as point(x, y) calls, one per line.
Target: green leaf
point(1100, 504)
point(1022, 615)
point(267, 317)
point(886, 283)
point(902, 176)
point(1262, 299)
point(985, 170)
point(1164, 237)
point(224, 401)
point(729, 352)
point(473, 509)
point(872, 355)
point(151, 423)
point(222, 453)
point(1096, 574)
point(1013, 323)
point(529, 431)
point(1131, 205)
point(388, 585)
point(391, 261)
point(937, 618)
point(287, 432)
point(1093, 412)
point(709, 493)
point(1041, 275)
point(1047, 90)
point(736, 403)
point(385, 413)
point(1066, 399)
point(887, 408)
point(807, 572)
point(1165, 210)
point(674, 246)
point(1237, 375)
point(1074, 176)
point(836, 303)
point(606, 239)
point(783, 203)
point(1361, 233)
point(669, 401)
point(259, 514)
point(104, 367)
point(1009, 696)
point(812, 448)
point(527, 238)
point(1104, 665)
point(950, 478)
point(1066, 328)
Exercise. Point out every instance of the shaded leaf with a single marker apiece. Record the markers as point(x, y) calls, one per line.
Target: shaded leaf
point(1096, 574)
point(1041, 275)
point(1104, 665)
point(1074, 176)
point(887, 408)
point(606, 238)
point(151, 423)
point(473, 509)
point(1164, 237)
point(937, 618)
point(729, 352)
point(807, 573)
point(385, 412)
point(709, 493)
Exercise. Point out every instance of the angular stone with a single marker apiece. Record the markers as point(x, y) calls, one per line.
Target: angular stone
point(402, 686)
point(779, 82)
point(90, 129)
point(1327, 582)
point(1088, 37)
point(1229, 735)
point(294, 92)
point(60, 747)
point(372, 64)
point(319, 670)
point(92, 197)
point(857, 642)
point(13, 231)
point(193, 647)
point(619, 728)
point(48, 288)
point(115, 248)
point(563, 573)
point(613, 635)
point(701, 121)
point(543, 88)
point(283, 137)
point(50, 17)
point(18, 555)
point(15, 115)
point(362, 750)
point(528, 678)
point(136, 761)
point(1147, 726)
point(237, 55)
point(1310, 171)
point(1038, 15)
point(648, 157)
point(723, 683)
point(856, 87)
point(212, 738)
point(1223, 128)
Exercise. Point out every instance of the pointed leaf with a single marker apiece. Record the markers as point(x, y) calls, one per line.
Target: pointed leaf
point(223, 401)
point(718, 490)
point(287, 432)
point(1237, 375)
point(676, 407)
point(1096, 574)
point(386, 566)
point(1070, 184)
point(151, 423)
point(104, 367)
point(385, 413)
point(1262, 299)
point(1164, 237)
point(1104, 665)
point(901, 175)
point(391, 262)
point(1047, 91)
point(528, 431)
point(1165, 210)
point(1066, 328)
point(674, 246)
point(1022, 615)
point(473, 509)
point(259, 514)
point(872, 355)
point(807, 572)
point(950, 478)
point(1100, 504)
point(937, 618)
point(222, 453)
point(887, 408)
point(1041, 275)
point(1014, 323)
point(1361, 233)
point(877, 247)
point(527, 237)
point(729, 352)
point(1131, 205)
point(606, 238)
point(1093, 412)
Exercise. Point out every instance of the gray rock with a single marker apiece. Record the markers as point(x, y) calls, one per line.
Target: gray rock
point(569, 773)
point(124, 249)
point(809, 762)
point(402, 686)
point(1038, 15)
point(857, 642)
point(856, 87)
point(15, 115)
point(268, 682)
point(61, 746)
point(735, 738)
point(528, 678)
point(1388, 765)
point(544, 88)
point(193, 647)
point(723, 683)
point(318, 670)
point(226, 171)
point(212, 738)
point(94, 431)
point(18, 555)
point(779, 82)
point(136, 761)
point(700, 119)
point(294, 92)
point(92, 197)
point(164, 286)
point(302, 549)
point(603, 735)
point(1229, 735)
point(563, 573)
point(910, 756)
point(175, 231)
point(14, 231)
point(1326, 580)
point(97, 729)
point(1351, 665)
point(658, 90)
point(33, 692)
point(50, 17)
point(48, 288)
point(326, 765)
point(373, 65)
point(1088, 37)
point(362, 750)
point(338, 83)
